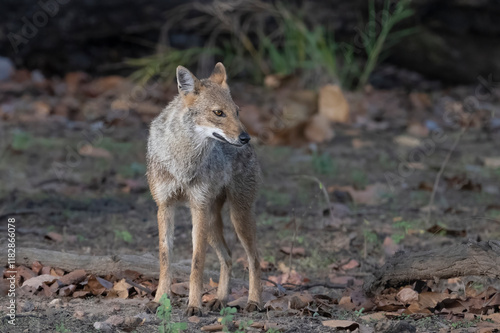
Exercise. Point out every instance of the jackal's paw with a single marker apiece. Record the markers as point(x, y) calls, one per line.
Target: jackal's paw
point(151, 307)
point(252, 306)
point(216, 305)
point(193, 311)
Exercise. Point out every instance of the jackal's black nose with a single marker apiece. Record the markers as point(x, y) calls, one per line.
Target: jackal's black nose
point(244, 138)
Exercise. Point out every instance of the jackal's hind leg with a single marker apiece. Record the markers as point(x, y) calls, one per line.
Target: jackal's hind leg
point(218, 243)
point(245, 226)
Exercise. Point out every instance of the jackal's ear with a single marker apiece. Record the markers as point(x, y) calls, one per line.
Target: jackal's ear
point(186, 81)
point(219, 74)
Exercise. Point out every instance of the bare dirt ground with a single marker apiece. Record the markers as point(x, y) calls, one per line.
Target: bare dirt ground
point(98, 203)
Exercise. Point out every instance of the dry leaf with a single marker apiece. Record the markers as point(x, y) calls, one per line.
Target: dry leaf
point(350, 265)
point(68, 290)
point(495, 317)
point(318, 129)
point(194, 319)
point(24, 272)
point(296, 251)
point(91, 151)
point(290, 277)
point(34, 283)
point(81, 293)
point(376, 316)
point(332, 104)
point(36, 267)
point(418, 130)
point(492, 162)
point(240, 302)
point(95, 286)
point(407, 141)
point(407, 296)
point(278, 304)
point(181, 289)
point(300, 300)
point(46, 270)
point(121, 289)
point(341, 324)
point(390, 247)
point(358, 143)
point(371, 195)
point(73, 277)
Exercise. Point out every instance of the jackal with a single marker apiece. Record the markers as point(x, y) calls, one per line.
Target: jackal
point(198, 153)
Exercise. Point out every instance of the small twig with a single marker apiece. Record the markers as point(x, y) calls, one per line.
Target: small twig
point(20, 212)
point(138, 286)
point(21, 315)
point(440, 173)
point(323, 189)
point(299, 287)
point(293, 240)
point(270, 281)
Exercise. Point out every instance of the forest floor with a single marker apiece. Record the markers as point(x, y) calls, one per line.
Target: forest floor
point(96, 201)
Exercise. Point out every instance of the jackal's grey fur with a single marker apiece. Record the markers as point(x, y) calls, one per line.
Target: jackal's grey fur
point(202, 158)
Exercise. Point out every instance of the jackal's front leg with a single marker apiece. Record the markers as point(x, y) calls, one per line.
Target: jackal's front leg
point(198, 262)
point(166, 238)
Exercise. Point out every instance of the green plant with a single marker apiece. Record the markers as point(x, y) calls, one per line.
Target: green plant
point(244, 325)
point(240, 31)
point(402, 228)
point(276, 198)
point(61, 329)
point(359, 178)
point(273, 330)
point(163, 64)
point(324, 164)
point(494, 213)
point(358, 313)
point(369, 237)
point(21, 140)
point(164, 313)
point(123, 235)
point(227, 315)
point(375, 43)
point(465, 323)
point(299, 47)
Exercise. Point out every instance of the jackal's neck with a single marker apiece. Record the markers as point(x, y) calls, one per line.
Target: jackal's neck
point(175, 143)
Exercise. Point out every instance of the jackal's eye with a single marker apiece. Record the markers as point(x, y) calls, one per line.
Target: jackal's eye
point(219, 113)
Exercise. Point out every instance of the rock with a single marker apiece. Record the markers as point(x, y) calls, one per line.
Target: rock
point(79, 314)
point(318, 129)
point(56, 302)
point(298, 108)
point(103, 326)
point(6, 68)
point(27, 307)
point(146, 317)
point(37, 77)
point(333, 105)
point(115, 320)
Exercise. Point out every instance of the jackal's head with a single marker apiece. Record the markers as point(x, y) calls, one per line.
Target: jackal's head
point(210, 106)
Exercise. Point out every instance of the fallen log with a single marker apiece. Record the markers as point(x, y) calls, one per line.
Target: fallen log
point(464, 259)
point(146, 264)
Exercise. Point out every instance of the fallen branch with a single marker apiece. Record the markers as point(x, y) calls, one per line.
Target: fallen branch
point(147, 264)
point(468, 258)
